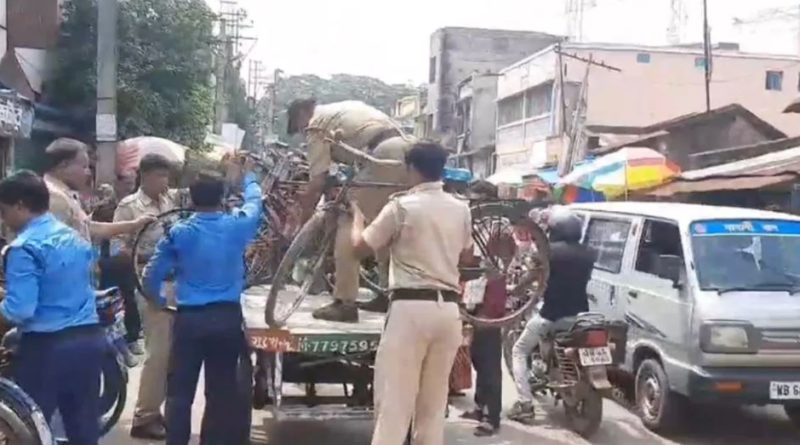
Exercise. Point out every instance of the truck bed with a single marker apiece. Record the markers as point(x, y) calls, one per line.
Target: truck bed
point(301, 322)
point(303, 333)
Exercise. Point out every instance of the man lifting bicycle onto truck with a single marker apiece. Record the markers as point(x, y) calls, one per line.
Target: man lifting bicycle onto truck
point(367, 129)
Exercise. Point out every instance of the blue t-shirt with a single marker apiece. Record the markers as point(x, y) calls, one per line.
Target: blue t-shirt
point(206, 253)
point(49, 278)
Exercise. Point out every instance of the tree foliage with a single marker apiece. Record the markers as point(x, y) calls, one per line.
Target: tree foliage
point(165, 50)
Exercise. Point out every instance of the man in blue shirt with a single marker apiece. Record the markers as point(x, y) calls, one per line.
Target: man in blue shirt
point(49, 297)
point(206, 255)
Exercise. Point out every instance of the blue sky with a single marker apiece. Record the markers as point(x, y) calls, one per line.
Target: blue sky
point(389, 40)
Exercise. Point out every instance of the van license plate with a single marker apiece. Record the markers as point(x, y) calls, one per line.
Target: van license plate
point(784, 390)
point(595, 356)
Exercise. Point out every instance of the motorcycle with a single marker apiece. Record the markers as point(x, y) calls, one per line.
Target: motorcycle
point(571, 364)
point(114, 372)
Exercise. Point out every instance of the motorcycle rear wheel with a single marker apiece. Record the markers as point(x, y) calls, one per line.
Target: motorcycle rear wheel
point(585, 415)
point(21, 421)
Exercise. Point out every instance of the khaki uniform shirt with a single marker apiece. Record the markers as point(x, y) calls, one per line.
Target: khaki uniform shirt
point(359, 123)
point(137, 205)
point(65, 205)
point(426, 229)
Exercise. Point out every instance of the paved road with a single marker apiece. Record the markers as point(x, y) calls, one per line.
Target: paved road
point(710, 426)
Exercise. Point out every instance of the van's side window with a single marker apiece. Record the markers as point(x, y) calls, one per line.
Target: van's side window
point(658, 238)
point(607, 238)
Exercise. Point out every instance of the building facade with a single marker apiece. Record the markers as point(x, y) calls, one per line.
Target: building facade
point(458, 53)
point(405, 112)
point(649, 85)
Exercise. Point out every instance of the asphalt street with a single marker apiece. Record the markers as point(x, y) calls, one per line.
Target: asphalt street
point(707, 426)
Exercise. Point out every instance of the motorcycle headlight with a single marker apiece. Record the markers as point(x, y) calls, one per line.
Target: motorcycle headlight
point(729, 338)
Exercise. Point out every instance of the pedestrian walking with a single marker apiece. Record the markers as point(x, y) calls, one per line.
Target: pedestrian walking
point(50, 298)
point(427, 232)
point(205, 253)
point(153, 197)
point(486, 353)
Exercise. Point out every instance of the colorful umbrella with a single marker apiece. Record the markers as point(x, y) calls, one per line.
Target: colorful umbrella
point(569, 194)
point(625, 170)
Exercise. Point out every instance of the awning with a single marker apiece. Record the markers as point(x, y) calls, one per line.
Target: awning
point(718, 183)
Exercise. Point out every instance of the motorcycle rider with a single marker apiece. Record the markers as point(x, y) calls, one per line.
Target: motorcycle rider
point(571, 265)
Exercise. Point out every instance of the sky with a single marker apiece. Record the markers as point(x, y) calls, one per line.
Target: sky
point(390, 40)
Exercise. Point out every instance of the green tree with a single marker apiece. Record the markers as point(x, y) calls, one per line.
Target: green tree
point(164, 69)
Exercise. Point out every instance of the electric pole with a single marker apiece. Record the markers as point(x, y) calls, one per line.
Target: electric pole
point(678, 18)
point(273, 116)
point(574, 151)
point(228, 57)
point(106, 116)
point(220, 67)
point(707, 54)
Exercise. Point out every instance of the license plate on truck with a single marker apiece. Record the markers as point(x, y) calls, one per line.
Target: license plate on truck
point(595, 356)
point(784, 390)
point(277, 340)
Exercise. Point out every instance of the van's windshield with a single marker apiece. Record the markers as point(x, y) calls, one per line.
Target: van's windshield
point(747, 255)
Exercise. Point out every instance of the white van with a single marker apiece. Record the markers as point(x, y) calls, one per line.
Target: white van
point(712, 299)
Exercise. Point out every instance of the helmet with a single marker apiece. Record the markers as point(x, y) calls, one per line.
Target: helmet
point(564, 225)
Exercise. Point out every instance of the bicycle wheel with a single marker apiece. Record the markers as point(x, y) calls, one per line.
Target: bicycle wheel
point(153, 230)
point(301, 269)
point(21, 420)
point(525, 270)
point(259, 256)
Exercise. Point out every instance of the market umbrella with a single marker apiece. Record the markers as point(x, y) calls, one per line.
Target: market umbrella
point(569, 194)
point(131, 151)
point(625, 170)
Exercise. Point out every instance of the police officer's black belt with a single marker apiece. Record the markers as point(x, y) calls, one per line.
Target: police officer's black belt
point(448, 296)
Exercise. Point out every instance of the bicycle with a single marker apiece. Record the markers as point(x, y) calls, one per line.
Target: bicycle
point(308, 256)
point(284, 174)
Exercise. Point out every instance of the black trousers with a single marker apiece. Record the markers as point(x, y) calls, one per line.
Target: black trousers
point(210, 337)
point(487, 356)
point(114, 271)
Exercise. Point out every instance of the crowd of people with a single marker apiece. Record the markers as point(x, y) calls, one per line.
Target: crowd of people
point(189, 315)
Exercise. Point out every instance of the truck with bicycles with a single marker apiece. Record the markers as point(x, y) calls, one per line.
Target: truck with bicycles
point(304, 368)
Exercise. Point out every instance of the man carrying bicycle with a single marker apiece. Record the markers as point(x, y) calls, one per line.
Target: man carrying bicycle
point(365, 128)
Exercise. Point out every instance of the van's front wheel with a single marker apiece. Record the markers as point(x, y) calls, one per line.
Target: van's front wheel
point(793, 412)
point(658, 407)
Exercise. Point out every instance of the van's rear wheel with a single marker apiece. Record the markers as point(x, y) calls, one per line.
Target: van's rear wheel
point(793, 412)
point(658, 407)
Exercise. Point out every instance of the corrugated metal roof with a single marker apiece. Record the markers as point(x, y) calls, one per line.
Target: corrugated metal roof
point(720, 183)
point(771, 163)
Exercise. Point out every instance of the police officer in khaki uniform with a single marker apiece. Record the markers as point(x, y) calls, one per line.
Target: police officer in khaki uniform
point(427, 231)
point(152, 198)
point(365, 128)
point(67, 173)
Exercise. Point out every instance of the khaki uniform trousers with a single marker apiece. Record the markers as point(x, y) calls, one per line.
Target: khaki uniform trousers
point(157, 324)
point(412, 370)
point(370, 201)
